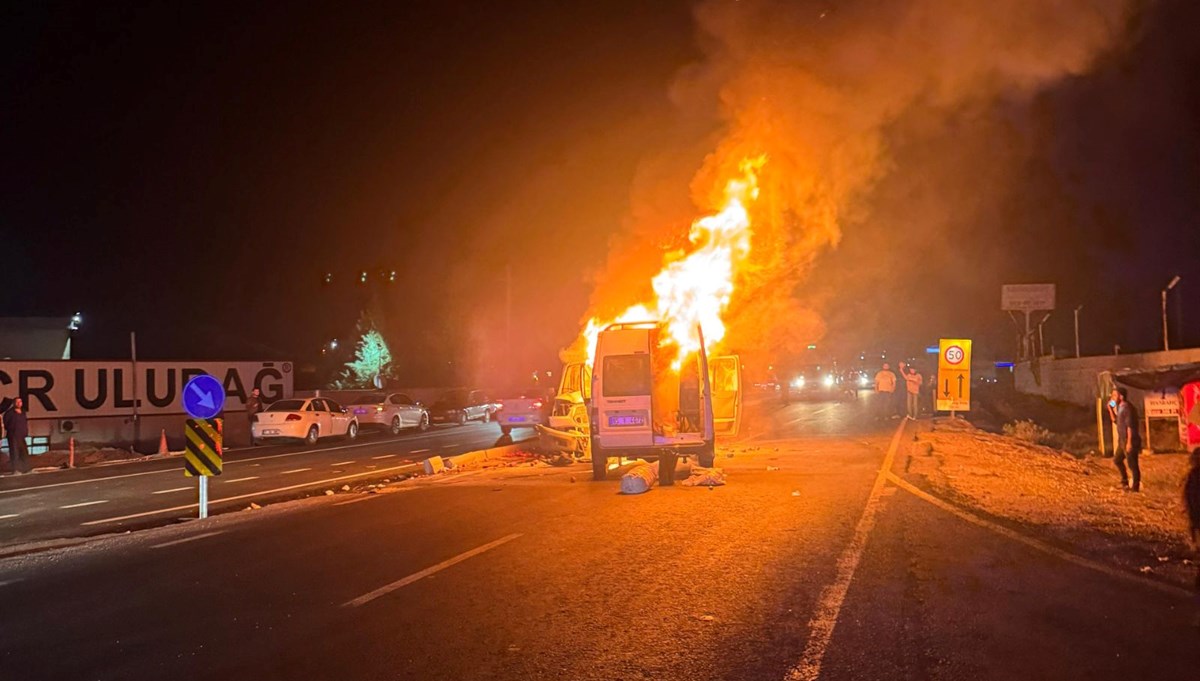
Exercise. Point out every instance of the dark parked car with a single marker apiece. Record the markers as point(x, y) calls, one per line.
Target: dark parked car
point(460, 406)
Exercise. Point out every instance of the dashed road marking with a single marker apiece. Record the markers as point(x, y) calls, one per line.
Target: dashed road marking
point(342, 463)
point(9, 515)
point(382, 456)
point(416, 576)
point(252, 477)
point(85, 503)
point(829, 603)
point(295, 470)
point(194, 537)
point(173, 489)
point(239, 497)
point(419, 451)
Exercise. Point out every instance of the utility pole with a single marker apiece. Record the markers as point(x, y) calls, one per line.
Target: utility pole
point(1166, 338)
point(1077, 330)
point(137, 422)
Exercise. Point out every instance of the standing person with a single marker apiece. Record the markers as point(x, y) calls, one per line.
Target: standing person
point(1191, 501)
point(901, 393)
point(912, 383)
point(885, 388)
point(254, 406)
point(1129, 442)
point(16, 429)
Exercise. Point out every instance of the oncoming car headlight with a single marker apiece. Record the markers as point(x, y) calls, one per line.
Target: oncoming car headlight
point(828, 381)
point(798, 382)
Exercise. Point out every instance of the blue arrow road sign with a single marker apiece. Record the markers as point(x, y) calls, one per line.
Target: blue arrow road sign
point(203, 397)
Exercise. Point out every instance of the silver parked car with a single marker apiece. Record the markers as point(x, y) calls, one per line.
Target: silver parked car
point(393, 411)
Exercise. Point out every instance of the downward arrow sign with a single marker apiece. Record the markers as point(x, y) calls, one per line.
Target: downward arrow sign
point(946, 390)
point(206, 399)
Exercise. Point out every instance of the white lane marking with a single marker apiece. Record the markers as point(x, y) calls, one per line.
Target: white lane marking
point(829, 604)
point(400, 583)
point(10, 515)
point(419, 451)
point(9, 581)
point(295, 470)
point(227, 463)
point(342, 463)
point(252, 477)
point(194, 537)
point(314, 483)
point(85, 503)
point(383, 456)
point(1037, 544)
point(173, 489)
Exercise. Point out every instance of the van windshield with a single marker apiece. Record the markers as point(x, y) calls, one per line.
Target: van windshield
point(626, 375)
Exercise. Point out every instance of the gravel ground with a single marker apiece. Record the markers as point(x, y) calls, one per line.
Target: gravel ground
point(1077, 503)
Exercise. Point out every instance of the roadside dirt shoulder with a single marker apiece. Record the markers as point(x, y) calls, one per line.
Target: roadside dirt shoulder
point(1076, 502)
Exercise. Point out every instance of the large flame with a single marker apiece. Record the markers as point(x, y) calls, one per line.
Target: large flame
point(695, 284)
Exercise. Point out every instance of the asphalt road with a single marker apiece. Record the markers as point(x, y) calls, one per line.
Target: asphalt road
point(808, 564)
point(132, 495)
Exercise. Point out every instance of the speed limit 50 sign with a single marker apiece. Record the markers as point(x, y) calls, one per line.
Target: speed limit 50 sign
point(953, 386)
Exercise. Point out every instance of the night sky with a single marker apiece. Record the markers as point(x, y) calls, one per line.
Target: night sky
point(191, 171)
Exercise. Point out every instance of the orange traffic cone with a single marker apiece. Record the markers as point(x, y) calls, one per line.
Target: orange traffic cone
point(162, 443)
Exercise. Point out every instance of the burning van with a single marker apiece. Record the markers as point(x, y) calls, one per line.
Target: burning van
point(648, 402)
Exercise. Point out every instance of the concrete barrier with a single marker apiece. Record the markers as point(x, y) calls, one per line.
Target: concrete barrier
point(479, 456)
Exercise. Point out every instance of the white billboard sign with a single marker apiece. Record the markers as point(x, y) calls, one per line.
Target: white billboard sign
point(1027, 297)
point(68, 389)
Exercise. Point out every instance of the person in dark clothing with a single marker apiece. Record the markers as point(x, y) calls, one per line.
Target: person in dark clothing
point(16, 429)
point(1191, 502)
point(1129, 442)
point(254, 406)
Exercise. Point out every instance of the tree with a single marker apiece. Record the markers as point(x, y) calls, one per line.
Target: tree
point(372, 358)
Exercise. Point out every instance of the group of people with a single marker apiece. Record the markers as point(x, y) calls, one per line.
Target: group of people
point(891, 402)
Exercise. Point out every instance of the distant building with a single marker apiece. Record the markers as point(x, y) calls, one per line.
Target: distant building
point(33, 338)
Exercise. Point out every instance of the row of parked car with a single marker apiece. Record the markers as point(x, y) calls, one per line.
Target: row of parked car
point(310, 419)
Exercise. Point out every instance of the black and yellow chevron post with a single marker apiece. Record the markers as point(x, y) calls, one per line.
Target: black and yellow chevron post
point(202, 456)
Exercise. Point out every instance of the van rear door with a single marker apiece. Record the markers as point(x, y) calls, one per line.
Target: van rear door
point(726, 382)
point(622, 383)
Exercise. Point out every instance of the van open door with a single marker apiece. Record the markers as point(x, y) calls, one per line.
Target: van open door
point(726, 382)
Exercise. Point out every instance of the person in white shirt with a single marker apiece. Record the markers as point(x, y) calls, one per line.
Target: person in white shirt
point(885, 389)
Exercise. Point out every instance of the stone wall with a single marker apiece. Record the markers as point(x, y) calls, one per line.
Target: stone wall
point(1075, 380)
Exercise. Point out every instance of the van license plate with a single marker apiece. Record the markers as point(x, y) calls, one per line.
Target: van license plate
point(626, 420)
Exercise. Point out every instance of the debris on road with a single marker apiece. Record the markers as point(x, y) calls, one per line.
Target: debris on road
point(253, 506)
point(772, 468)
point(434, 464)
point(795, 492)
point(706, 618)
point(328, 492)
point(705, 477)
point(640, 479)
point(345, 488)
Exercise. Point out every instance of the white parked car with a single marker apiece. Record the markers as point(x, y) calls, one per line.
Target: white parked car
point(395, 411)
point(304, 419)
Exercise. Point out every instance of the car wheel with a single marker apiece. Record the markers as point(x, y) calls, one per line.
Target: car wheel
point(506, 429)
point(352, 430)
point(313, 434)
point(424, 422)
point(395, 425)
point(462, 418)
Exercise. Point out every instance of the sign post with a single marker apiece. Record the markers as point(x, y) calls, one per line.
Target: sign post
point(1027, 298)
point(953, 387)
point(203, 398)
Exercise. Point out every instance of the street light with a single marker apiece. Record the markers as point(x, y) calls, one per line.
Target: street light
point(1077, 330)
point(1171, 285)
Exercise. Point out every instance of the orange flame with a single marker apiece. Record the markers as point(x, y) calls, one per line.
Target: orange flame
point(695, 286)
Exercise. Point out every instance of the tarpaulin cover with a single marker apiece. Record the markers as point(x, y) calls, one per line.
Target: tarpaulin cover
point(1159, 378)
